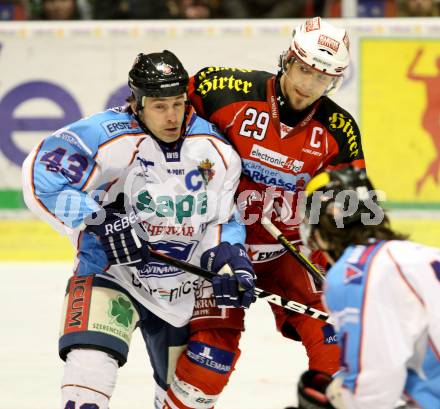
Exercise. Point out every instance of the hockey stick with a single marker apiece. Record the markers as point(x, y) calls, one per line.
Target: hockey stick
point(282, 239)
point(259, 293)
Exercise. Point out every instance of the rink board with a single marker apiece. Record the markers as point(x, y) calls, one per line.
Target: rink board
point(75, 69)
point(29, 240)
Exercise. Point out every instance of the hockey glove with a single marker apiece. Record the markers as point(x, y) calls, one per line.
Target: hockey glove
point(234, 285)
point(121, 235)
point(312, 388)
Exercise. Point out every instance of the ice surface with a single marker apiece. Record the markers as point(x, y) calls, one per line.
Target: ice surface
point(30, 370)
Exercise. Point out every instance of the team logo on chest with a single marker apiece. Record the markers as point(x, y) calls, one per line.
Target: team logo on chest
point(206, 170)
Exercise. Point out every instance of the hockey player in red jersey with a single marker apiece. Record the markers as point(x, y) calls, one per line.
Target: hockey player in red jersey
point(286, 130)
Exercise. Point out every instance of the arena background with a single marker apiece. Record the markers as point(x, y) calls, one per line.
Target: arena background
point(55, 73)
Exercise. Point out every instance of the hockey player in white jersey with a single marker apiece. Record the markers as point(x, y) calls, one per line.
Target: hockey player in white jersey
point(383, 293)
point(148, 175)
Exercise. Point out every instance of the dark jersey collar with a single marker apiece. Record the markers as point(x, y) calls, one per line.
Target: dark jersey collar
point(289, 116)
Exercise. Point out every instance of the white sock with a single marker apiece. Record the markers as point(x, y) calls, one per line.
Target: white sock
point(89, 377)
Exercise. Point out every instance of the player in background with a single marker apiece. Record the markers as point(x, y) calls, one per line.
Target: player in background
point(383, 293)
point(147, 175)
point(286, 129)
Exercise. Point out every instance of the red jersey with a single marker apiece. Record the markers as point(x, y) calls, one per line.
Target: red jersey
point(282, 155)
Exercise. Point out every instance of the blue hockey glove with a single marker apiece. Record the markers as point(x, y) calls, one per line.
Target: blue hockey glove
point(230, 290)
point(121, 235)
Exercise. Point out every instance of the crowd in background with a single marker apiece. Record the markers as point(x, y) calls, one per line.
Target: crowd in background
point(203, 9)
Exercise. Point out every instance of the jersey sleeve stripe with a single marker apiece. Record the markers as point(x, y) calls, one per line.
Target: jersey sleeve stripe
point(212, 140)
point(363, 259)
point(103, 145)
point(219, 233)
point(359, 368)
point(90, 177)
point(371, 255)
point(109, 185)
point(219, 152)
point(136, 150)
point(95, 166)
point(399, 270)
point(40, 203)
point(434, 348)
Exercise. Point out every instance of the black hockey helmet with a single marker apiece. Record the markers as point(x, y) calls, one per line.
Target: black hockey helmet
point(340, 196)
point(157, 75)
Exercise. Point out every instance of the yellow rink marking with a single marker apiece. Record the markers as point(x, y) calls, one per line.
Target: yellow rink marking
point(420, 230)
point(31, 240)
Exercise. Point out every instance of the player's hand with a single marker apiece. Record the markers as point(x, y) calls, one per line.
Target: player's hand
point(234, 285)
point(121, 235)
point(312, 388)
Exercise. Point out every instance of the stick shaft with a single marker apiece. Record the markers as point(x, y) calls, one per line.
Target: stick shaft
point(276, 234)
point(259, 293)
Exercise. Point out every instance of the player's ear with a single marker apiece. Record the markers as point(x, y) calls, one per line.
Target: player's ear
point(324, 243)
point(133, 107)
point(320, 239)
point(289, 64)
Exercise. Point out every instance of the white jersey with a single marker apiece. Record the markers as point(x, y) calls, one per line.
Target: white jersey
point(183, 192)
point(385, 300)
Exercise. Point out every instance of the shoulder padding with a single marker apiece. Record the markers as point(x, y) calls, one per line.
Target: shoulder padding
point(221, 86)
point(342, 126)
point(202, 127)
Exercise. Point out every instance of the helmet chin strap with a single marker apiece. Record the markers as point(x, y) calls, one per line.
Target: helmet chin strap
point(283, 61)
point(140, 104)
point(334, 86)
point(142, 124)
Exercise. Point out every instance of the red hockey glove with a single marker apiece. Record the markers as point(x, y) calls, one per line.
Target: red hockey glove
point(311, 390)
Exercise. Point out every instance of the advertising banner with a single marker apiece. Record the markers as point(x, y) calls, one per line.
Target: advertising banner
point(55, 73)
point(400, 116)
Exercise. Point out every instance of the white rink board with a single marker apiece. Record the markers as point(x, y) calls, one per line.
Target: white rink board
point(54, 73)
point(30, 375)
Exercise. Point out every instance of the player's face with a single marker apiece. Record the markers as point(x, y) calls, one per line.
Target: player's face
point(302, 85)
point(164, 116)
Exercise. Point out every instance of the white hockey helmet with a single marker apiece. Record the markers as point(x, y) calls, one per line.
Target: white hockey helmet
point(322, 46)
